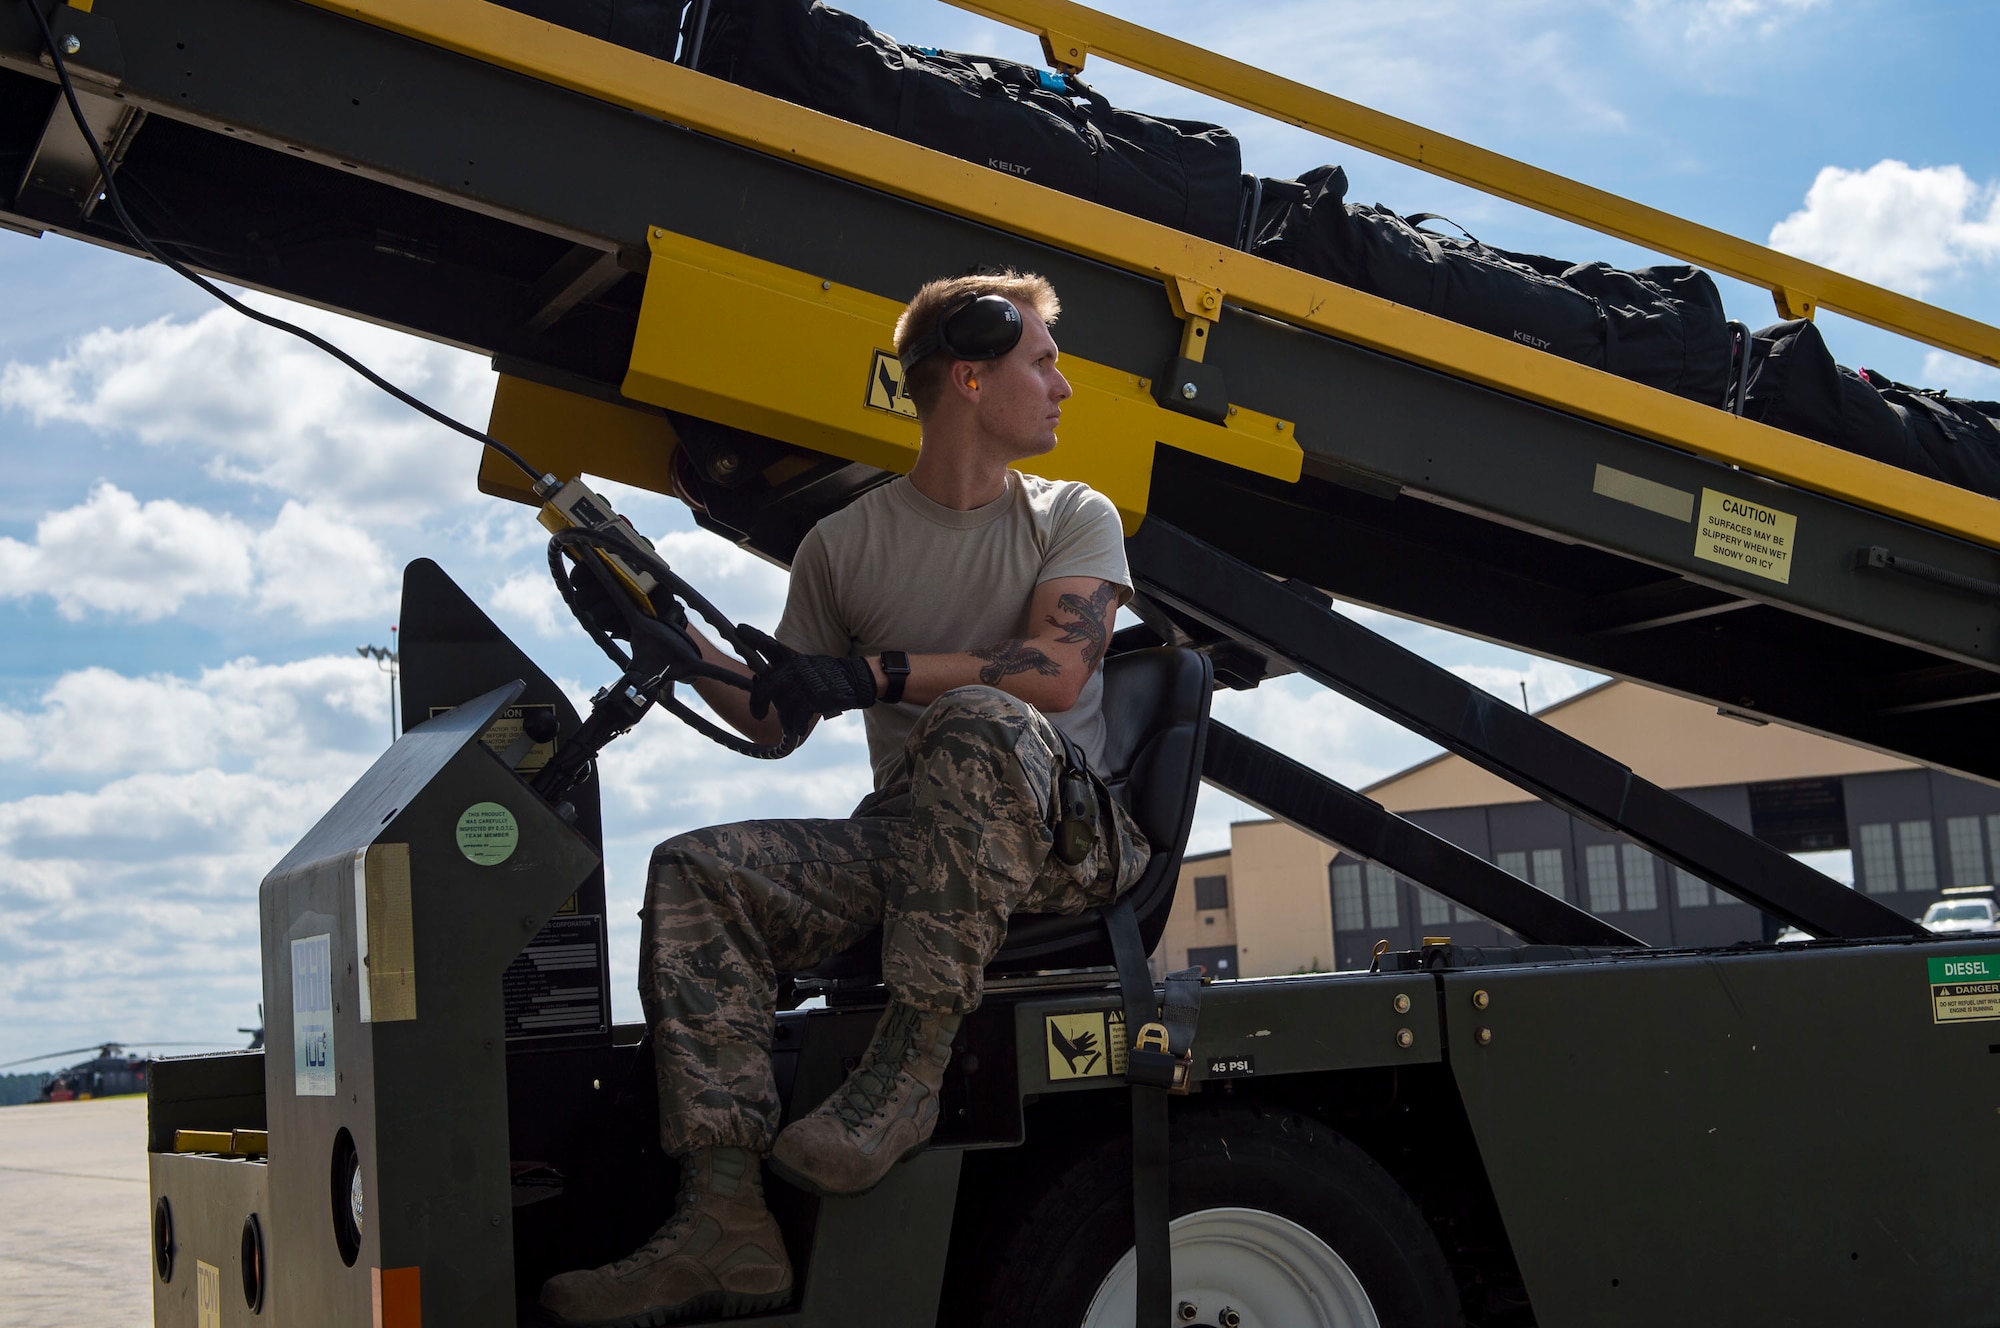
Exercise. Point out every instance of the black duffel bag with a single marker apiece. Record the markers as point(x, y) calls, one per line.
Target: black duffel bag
point(1662, 326)
point(1795, 385)
point(1960, 437)
point(1049, 129)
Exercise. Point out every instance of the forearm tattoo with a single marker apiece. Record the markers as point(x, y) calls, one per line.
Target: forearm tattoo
point(1004, 658)
point(1088, 626)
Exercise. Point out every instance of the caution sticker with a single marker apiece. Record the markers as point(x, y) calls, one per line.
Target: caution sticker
point(885, 386)
point(1746, 536)
point(509, 732)
point(1087, 1045)
point(1965, 989)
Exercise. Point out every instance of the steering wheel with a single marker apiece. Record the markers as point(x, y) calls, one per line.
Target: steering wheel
point(662, 653)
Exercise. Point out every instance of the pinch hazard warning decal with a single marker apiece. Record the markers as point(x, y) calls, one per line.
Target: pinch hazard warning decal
point(1965, 989)
point(885, 386)
point(1089, 1045)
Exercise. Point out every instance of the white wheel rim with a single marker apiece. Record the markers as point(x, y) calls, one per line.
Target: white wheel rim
point(1270, 1270)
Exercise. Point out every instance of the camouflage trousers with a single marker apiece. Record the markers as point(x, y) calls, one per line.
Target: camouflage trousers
point(938, 858)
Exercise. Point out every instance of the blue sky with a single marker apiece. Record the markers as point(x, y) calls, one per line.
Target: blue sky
point(209, 519)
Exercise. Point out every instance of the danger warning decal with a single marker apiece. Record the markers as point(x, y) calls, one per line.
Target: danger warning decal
point(1090, 1045)
point(885, 386)
point(1965, 988)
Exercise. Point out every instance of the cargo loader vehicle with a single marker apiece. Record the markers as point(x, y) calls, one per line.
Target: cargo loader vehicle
point(1573, 1129)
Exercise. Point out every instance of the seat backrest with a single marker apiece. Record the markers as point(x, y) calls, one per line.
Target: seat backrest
point(1156, 721)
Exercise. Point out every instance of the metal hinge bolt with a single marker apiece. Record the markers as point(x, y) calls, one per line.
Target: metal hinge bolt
point(1229, 1318)
point(72, 44)
point(1189, 391)
point(1187, 1311)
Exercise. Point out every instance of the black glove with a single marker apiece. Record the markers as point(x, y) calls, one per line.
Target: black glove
point(805, 687)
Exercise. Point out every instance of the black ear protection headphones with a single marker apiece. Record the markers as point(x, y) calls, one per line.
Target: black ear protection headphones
point(978, 327)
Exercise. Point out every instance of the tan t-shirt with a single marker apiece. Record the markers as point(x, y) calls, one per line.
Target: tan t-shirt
point(895, 571)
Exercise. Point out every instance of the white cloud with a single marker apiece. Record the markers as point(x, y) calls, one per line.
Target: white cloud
point(118, 555)
point(1710, 20)
point(321, 568)
point(529, 598)
point(1960, 376)
point(263, 407)
point(95, 721)
point(1895, 224)
point(143, 560)
point(1546, 682)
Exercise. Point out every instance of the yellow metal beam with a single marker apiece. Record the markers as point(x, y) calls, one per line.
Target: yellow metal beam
point(704, 347)
point(568, 434)
point(1796, 285)
point(623, 77)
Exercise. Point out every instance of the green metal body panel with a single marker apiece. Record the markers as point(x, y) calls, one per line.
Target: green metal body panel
point(1780, 1136)
point(1263, 1027)
point(424, 1099)
point(211, 1198)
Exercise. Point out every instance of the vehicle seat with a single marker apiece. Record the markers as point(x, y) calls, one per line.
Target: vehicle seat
point(1156, 720)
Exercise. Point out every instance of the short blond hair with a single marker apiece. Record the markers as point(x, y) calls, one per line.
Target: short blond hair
point(925, 379)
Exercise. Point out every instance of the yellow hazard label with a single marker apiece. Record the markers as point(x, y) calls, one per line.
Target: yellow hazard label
point(1745, 535)
point(885, 386)
point(1089, 1045)
point(207, 1295)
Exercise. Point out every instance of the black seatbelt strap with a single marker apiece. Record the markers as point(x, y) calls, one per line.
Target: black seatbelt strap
point(1159, 1061)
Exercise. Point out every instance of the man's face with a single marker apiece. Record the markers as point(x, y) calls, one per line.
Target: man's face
point(1021, 393)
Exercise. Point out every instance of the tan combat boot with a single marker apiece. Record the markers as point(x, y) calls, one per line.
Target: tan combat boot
point(719, 1255)
point(884, 1113)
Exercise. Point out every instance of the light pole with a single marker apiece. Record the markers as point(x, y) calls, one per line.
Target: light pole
point(385, 660)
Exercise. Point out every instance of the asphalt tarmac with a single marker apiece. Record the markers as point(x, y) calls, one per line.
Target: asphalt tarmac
point(74, 1215)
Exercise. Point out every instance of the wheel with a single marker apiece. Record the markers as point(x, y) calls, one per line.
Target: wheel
point(1277, 1222)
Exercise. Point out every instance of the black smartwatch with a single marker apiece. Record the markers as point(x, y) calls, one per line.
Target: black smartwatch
point(896, 668)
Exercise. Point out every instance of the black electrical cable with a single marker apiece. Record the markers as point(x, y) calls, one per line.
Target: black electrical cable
point(139, 238)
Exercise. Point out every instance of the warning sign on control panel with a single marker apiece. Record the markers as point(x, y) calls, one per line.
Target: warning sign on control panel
point(1745, 535)
point(1965, 988)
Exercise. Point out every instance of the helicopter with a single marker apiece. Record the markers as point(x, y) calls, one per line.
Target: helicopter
point(113, 1071)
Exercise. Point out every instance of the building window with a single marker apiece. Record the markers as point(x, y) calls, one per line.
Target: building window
point(1918, 854)
point(1460, 913)
point(1381, 896)
point(1690, 891)
point(1968, 853)
point(1549, 871)
point(1347, 914)
point(1641, 890)
point(1516, 864)
point(1878, 859)
point(1432, 909)
point(1600, 874)
point(1993, 839)
point(1211, 892)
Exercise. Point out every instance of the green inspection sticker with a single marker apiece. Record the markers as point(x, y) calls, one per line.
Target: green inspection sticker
point(487, 833)
point(1965, 988)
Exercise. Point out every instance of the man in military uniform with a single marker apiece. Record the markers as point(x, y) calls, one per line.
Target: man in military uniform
point(966, 609)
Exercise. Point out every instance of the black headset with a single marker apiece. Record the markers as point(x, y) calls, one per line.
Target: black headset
point(978, 327)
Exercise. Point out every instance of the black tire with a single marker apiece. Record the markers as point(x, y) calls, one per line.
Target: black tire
point(1055, 1259)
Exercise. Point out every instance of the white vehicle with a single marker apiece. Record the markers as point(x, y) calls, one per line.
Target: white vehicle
point(1951, 915)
